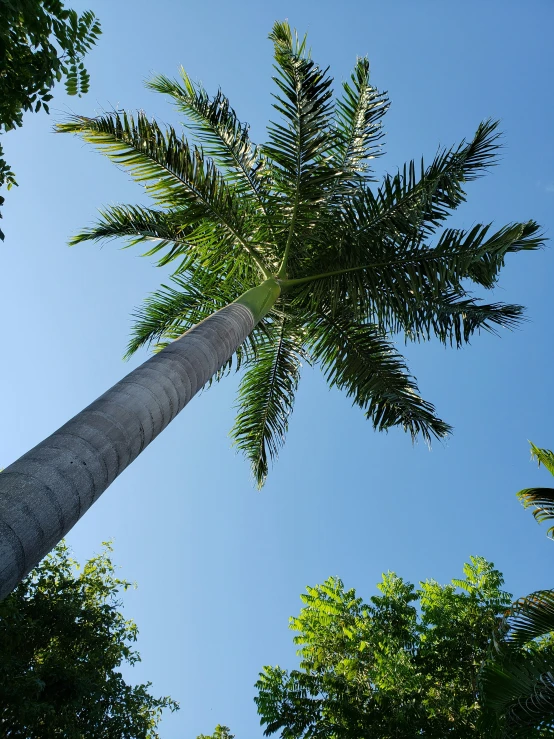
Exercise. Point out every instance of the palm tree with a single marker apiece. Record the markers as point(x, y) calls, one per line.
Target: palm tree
point(518, 679)
point(283, 254)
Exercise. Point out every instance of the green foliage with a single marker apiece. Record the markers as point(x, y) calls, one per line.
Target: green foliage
point(221, 732)
point(403, 665)
point(541, 498)
point(355, 264)
point(63, 639)
point(518, 679)
point(41, 42)
point(359, 359)
point(266, 395)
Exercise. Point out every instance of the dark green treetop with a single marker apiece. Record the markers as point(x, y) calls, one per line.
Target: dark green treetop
point(41, 42)
point(63, 639)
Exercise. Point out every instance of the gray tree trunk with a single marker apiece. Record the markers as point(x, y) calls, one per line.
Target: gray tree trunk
point(46, 491)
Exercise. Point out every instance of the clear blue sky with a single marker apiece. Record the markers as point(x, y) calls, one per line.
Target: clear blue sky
point(220, 566)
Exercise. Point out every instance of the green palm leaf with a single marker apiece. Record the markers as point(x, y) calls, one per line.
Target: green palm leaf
point(510, 239)
point(530, 617)
point(217, 128)
point(544, 457)
point(223, 137)
point(266, 399)
point(174, 173)
point(414, 206)
point(394, 281)
point(521, 691)
point(198, 245)
point(139, 225)
point(454, 319)
point(358, 128)
point(172, 310)
point(541, 498)
point(304, 102)
point(359, 360)
point(356, 132)
point(299, 146)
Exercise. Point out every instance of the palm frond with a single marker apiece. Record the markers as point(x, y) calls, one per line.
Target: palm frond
point(399, 280)
point(543, 500)
point(358, 359)
point(520, 688)
point(529, 618)
point(510, 239)
point(173, 173)
point(415, 207)
point(473, 254)
point(199, 245)
point(358, 129)
point(518, 679)
point(167, 229)
point(355, 135)
point(453, 320)
point(266, 399)
point(170, 311)
point(299, 146)
point(544, 457)
point(304, 103)
point(217, 128)
point(223, 137)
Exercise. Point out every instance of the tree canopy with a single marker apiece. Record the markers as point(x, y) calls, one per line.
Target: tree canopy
point(405, 664)
point(63, 639)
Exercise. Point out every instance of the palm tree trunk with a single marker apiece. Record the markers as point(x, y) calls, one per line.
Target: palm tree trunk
point(47, 490)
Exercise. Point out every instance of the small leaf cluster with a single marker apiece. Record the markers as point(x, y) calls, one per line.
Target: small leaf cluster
point(63, 639)
point(41, 43)
point(220, 732)
point(404, 665)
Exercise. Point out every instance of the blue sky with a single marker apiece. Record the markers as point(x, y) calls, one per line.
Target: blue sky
point(220, 566)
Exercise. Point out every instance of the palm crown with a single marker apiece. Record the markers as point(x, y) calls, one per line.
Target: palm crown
point(350, 263)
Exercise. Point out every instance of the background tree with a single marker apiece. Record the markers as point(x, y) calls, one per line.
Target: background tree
point(221, 732)
point(518, 680)
point(63, 639)
point(403, 665)
point(283, 254)
point(41, 42)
